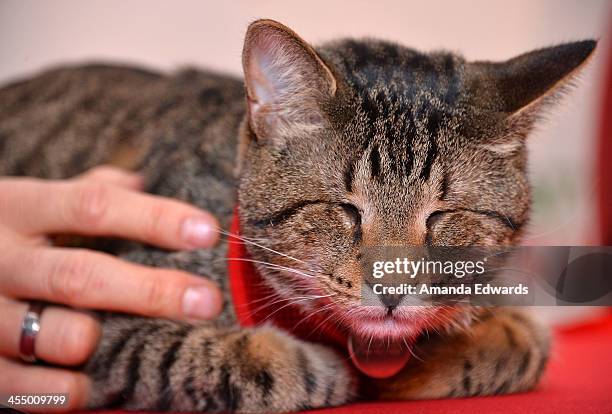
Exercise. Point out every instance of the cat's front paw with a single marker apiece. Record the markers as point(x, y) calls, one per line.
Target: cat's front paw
point(165, 366)
point(504, 351)
point(270, 371)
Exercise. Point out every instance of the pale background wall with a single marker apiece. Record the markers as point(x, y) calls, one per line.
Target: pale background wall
point(167, 34)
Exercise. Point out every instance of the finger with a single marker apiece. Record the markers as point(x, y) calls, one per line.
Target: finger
point(66, 337)
point(93, 208)
point(88, 279)
point(20, 379)
point(112, 175)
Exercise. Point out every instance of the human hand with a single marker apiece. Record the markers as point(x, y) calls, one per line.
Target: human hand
point(103, 202)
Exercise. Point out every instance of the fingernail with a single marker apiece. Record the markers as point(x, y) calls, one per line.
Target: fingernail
point(200, 302)
point(198, 232)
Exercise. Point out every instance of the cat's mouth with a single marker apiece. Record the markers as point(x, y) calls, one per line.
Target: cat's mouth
point(386, 328)
point(378, 322)
point(381, 342)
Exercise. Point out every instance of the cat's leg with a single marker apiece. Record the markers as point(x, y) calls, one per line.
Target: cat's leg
point(504, 352)
point(147, 364)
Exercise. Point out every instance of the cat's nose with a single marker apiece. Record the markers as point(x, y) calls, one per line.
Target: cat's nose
point(391, 301)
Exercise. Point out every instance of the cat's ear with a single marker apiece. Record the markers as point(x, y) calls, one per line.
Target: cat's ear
point(286, 81)
point(526, 82)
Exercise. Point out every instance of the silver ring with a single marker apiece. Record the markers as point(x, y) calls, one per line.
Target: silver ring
point(29, 329)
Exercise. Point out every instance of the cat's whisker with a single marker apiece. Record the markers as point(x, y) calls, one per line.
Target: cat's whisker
point(370, 342)
point(297, 301)
point(290, 270)
point(268, 304)
point(323, 322)
point(229, 234)
point(510, 222)
point(310, 315)
point(446, 321)
point(265, 306)
point(282, 296)
point(265, 298)
point(272, 265)
point(411, 350)
point(239, 237)
point(234, 241)
point(280, 300)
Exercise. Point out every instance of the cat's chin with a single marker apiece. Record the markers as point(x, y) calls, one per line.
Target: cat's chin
point(405, 323)
point(387, 328)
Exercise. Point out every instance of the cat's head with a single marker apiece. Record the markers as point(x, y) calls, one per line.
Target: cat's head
point(368, 143)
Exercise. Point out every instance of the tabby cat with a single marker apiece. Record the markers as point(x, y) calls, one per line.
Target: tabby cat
point(325, 151)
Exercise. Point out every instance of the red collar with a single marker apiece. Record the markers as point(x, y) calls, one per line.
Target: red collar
point(250, 294)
